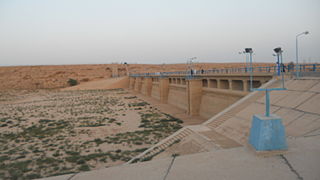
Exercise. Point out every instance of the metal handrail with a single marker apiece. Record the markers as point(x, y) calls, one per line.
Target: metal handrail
point(246, 70)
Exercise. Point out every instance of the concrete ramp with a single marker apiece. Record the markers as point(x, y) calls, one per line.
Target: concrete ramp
point(298, 106)
point(111, 83)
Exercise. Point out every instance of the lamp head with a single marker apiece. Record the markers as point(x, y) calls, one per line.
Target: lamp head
point(277, 50)
point(248, 50)
point(307, 32)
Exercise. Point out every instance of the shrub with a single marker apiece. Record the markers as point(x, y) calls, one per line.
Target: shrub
point(72, 82)
point(84, 167)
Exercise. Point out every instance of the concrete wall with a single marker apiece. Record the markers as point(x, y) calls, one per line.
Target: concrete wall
point(214, 101)
point(131, 82)
point(178, 96)
point(204, 96)
point(155, 91)
point(143, 88)
point(146, 87)
point(194, 94)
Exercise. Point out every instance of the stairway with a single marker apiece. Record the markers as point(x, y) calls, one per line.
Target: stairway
point(162, 145)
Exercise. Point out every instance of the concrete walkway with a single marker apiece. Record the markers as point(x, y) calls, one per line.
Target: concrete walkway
point(301, 162)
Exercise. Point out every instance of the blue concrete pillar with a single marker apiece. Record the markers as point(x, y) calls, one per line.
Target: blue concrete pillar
point(267, 133)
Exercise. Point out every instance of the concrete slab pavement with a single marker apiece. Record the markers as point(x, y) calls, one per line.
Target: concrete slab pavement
point(316, 88)
point(275, 96)
point(230, 164)
point(301, 161)
point(304, 124)
point(293, 99)
point(304, 156)
point(288, 115)
point(311, 105)
point(254, 108)
point(302, 84)
point(147, 170)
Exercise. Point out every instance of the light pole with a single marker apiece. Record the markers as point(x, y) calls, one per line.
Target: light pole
point(249, 51)
point(243, 52)
point(279, 51)
point(190, 65)
point(297, 52)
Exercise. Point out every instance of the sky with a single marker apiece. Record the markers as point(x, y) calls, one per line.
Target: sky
point(45, 32)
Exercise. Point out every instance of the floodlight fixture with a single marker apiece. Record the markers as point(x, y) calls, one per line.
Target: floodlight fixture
point(248, 50)
point(277, 50)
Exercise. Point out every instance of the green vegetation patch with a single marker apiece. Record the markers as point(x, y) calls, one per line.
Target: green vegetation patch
point(72, 82)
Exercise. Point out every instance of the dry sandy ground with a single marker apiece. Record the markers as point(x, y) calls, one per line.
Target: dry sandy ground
point(44, 77)
point(49, 132)
point(50, 77)
point(110, 83)
point(122, 82)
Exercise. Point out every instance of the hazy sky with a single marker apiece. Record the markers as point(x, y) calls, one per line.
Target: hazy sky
point(40, 32)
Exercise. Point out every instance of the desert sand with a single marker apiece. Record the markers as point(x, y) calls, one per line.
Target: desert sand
point(55, 77)
point(49, 132)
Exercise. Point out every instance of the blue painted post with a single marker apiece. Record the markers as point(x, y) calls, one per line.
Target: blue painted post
point(267, 103)
point(282, 70)
point(267, 132)
point(251, 71)
point(278, 62)
point(247, 64)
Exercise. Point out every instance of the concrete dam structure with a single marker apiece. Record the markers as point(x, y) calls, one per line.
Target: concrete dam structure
point(204, 95)
point(218, 148)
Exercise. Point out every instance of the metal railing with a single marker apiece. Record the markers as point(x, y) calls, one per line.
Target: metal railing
point(241, 70)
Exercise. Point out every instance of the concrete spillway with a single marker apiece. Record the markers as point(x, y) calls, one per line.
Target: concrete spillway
point(298, 106)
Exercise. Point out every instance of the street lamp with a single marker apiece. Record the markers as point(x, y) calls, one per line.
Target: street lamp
point(278, 52)
point(297, 57)
point(243, 52)
point(249, 51)
point(189, 62)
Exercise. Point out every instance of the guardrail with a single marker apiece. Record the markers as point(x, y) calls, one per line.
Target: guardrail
point(245, 70)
